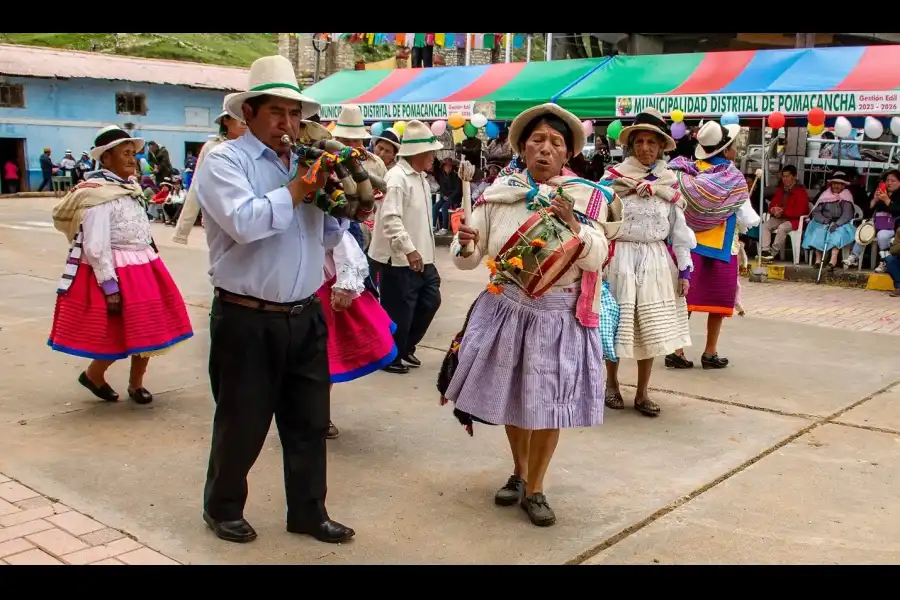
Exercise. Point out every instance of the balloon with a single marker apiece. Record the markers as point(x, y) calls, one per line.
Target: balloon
point(842, 127)
point(815, 129)
point(730, 119)
point(816, 117)
point(438, 128)
point(776, 120)
point(479, 120)
point(470, 130)
point(895, 126)
point(678, 130)
point(588, 128)
point(677, 116)
point(400, 127)
point(614, 129)
point(458, 136)
point(873, 128)
point(378, 128)
point(491, 130)
point(456, 121)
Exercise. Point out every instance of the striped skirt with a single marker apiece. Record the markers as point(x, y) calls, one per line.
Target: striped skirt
point(529, 363)
point(713, 285)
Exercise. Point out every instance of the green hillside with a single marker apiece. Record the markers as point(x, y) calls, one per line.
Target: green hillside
point(231, 49)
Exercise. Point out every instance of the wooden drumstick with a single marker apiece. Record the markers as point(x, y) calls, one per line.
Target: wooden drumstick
point(466, 173)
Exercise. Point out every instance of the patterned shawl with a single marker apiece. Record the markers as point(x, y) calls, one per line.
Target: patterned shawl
point(713, 191)
point(102, 187)
point(591, 204)
point(631, 177)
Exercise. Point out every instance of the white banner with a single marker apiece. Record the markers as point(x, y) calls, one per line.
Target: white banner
point(403, 111)
point(833, 103)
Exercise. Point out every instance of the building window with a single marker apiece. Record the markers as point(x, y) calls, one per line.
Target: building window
point(12, 95)
point(128, 103)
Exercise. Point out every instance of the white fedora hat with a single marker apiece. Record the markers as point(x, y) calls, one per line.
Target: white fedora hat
point(390, 136)
point(417, 139)
point(310, 131)
point(272, 76)
point(648, 119)
point(865, 233)
point(224, 114)
point(520, 122)
point(713, 138)
point(110, 137)
point(350, 124)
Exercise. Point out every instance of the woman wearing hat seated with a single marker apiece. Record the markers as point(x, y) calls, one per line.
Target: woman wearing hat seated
point(533, 364)
point(116, 298)
point(649, 288)
point(831, 223)
point(230, 128)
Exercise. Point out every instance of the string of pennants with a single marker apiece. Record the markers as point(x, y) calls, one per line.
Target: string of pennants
point(480, 41)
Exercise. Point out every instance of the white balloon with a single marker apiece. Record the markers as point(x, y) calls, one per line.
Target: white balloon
point(842, 127)
point(873, 128)
point(479, 120)
point(895, 126)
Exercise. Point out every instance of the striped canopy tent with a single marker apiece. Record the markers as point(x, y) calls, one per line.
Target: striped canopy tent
point(842, 81)
point(502, 91)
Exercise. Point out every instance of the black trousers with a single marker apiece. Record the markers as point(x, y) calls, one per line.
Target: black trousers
point(47, 180)
point(411, 300)
point(263, 364)
point(422, 57)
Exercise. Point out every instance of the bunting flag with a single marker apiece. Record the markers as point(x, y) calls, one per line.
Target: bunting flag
point(410, 40)
point(439, 39)
point(419, 40)
point(460, 40)
point(401, 39)
point(487, 41)
point(518, 41)
point(479, 41)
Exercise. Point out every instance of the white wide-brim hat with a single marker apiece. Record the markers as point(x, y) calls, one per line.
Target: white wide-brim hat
point(310, 131)
point(221, 116)
point(392, 137)
point(418, 139)
point(865, 233)
point(713, 138)
point(648, 119)
point(271, 76)
point(520, 122)
point(350, 124)
point(110, 137)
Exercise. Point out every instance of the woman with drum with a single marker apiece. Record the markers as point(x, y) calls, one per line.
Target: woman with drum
point(529, 357)
point(649, 288)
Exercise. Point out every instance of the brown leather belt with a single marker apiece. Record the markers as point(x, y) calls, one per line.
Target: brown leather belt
point(291, 308)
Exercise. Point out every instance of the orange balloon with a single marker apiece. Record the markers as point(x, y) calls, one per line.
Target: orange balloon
point(456, 121)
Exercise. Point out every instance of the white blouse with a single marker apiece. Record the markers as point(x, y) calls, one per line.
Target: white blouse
point(349, 263)
point(652, 219)
point(121, 224)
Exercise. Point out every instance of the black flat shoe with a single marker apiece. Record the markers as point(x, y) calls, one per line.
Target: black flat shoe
point(539, 512)
point(333, 431)
point(140, 396)
point(104, 392)
point(678, 361)
point(713, 361)
point(397, 367)
point(327, 531)
point(412, 361)
point(238, 531)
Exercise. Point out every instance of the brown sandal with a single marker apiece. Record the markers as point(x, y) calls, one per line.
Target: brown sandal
point(614, 400)
point(647, 408)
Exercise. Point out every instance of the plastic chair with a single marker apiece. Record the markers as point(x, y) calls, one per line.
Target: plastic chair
point(796, 238)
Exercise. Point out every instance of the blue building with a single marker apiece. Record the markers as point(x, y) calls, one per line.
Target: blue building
point(59, 99)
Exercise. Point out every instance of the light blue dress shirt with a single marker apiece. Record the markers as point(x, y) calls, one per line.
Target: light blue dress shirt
point(260, 245)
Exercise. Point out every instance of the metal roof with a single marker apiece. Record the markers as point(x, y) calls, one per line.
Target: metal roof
point(31, 61)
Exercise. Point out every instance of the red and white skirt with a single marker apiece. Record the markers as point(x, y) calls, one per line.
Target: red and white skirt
point(153, 317)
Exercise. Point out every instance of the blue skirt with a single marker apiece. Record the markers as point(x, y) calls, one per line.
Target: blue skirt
point(817, 234)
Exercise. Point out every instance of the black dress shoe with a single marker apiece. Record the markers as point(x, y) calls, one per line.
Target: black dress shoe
point(238, 531)
point(412, 361)
point(397, 367)
point(333, 432)
point(713, 361)
point(327, 531)
point(103, 392)
point(140, 396)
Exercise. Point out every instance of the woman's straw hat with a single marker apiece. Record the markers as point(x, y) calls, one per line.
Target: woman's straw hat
point(111, 136)
point(526, 117)
point(713, 138)
point(648, 119)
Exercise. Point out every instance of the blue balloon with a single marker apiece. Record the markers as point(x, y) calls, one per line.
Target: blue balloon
point(491, 130)
point(378, 128)
point(730, 119)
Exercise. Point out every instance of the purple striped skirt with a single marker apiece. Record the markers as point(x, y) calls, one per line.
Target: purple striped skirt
point(529, 363)
point(713, 285)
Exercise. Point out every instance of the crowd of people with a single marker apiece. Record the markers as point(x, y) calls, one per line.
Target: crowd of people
point(304, 300)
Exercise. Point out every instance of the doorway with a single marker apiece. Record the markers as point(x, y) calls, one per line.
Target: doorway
point(13, 150)
point(193, 149)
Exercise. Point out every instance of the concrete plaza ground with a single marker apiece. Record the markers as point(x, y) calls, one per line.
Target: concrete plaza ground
point(788, 456)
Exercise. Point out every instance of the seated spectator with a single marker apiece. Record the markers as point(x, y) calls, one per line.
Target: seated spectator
point(450, 195)
point(892, 263)
point(885, 210)
point(791, 201)
point(831, 225)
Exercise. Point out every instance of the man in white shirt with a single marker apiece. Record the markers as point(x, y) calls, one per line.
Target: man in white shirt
point(403, 245)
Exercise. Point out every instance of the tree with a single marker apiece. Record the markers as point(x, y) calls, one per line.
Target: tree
point(575, 45)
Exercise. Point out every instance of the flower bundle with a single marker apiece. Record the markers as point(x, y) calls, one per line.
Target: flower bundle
point(522, 259)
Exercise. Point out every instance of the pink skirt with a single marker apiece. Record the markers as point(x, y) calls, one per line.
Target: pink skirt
point(360, 338)
point(153, 316)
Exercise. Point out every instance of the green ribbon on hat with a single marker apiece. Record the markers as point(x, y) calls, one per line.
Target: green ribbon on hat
point(271, 86)
point(421, 141)
point(339, 124)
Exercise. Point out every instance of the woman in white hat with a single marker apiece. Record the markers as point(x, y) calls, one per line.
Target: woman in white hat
point(649, 287)
point(230, 128)
point(831, 221)
point(116, 298)
point(533, 364)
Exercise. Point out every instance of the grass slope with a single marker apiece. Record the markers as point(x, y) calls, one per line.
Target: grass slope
point(231, 49)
